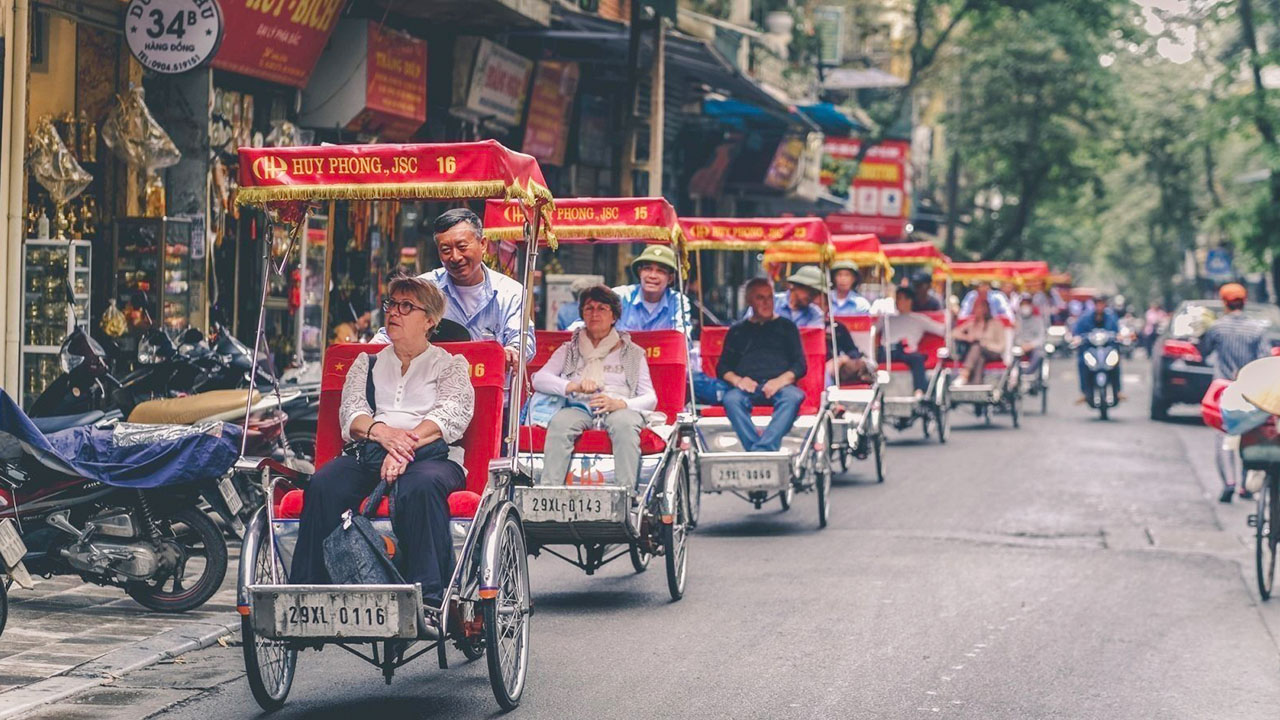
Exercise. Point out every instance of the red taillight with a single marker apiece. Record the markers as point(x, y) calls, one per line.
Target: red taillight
point(1182, 350)
point(1275, 351)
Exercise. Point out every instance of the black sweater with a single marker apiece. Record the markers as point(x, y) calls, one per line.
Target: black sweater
point(762, 351)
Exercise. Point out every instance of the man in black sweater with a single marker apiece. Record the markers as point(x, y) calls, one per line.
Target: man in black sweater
point(761, 361)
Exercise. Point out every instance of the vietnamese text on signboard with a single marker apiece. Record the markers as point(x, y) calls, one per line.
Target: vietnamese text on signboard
point(276, 40)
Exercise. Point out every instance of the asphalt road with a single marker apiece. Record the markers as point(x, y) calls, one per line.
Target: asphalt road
point(1068, 569)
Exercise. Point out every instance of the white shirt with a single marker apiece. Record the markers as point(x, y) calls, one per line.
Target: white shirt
point(471, 297)
point(910, 328)
point(548, 380)
point(436, 387)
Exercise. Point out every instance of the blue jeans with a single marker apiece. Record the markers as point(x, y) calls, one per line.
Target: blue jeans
point(786, 405)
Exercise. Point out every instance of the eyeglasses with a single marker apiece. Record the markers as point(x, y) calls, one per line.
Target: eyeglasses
point(404, 307)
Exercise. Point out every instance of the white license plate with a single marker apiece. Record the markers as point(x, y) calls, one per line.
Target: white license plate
point(344, 614)
point(745, 475)
point(11, 546)
point(230, 495)
point(567, 506)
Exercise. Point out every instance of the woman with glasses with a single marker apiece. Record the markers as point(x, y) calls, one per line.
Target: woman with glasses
point(604, 380)
point(403, 412)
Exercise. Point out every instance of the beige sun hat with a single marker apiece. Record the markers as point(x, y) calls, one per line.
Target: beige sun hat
point(1259, 383)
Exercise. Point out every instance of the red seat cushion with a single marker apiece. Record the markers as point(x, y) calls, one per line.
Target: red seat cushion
point(718, 411)
point(533, 438)
point(462, 505)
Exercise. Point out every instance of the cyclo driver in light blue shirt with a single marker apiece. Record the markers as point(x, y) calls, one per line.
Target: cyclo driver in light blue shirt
point(845, 299)
point(486, 303)
point(797, 303)
point(653, 303)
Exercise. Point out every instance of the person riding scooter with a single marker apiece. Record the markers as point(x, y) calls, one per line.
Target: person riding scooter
point(1100, 318)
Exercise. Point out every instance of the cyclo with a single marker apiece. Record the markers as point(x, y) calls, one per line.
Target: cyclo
point(485, 609)
point(1034, 275)
point(1005, 393)
point(857, 410)
point(902, 407)
point(604, 521)
point(719, 463)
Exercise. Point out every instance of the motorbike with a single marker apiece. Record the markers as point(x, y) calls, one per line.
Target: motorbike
point(86, 383)
point(155, 543)
point(1102, 359)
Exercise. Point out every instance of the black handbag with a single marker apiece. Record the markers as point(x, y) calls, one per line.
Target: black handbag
point(356, 553)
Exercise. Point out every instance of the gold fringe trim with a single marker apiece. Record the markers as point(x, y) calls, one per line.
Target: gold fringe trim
point(373, 191)
point(589, 232)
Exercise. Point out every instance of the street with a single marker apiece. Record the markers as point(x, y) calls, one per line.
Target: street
point(1071, 568)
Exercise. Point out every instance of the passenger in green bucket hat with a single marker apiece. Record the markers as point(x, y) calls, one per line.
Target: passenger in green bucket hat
point(797, 303)
point(654, 303)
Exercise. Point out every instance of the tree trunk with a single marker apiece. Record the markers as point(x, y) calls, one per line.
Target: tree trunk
point(953, 200)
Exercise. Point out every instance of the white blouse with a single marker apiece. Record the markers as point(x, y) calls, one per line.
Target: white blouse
point(549, 380)
point(436, 387)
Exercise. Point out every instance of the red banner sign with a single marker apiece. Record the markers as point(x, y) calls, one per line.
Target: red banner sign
point(276, 40)
point(396, 82)
point(878, 195)
point(629, 219)
point(546, 131)
point(481, 169)
point(884, 228)
point(752, 233)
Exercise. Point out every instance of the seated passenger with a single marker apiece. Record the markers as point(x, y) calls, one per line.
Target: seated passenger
point(1031, 334)
point(762, 360)
point(923, 298)
point(845, 299)
point(604, 379)
point(654, 303)
point(997, 302)
point(796, 304)
point(849, 366)
point(987, 338)
point(416, 410)
point(904, 332)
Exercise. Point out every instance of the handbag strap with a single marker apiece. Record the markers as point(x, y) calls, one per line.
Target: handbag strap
point(372, 502)
point(369, 395)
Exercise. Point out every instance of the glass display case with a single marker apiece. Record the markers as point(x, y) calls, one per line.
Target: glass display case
point(49, 269)
point(153, 273)
point(297, 312)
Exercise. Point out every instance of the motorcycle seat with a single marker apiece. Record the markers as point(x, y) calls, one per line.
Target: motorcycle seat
point(192, 408)
point(55, 423)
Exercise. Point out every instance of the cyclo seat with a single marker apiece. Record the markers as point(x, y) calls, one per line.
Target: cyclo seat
point(667, 353)
point(812, 340)
point(480, 442)
point(192, 408)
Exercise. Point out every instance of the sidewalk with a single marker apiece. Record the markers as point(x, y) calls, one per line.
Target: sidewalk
point(66, 637)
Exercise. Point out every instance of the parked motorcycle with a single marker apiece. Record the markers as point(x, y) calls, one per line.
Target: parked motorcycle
point(1102, 358)
point(149, 538)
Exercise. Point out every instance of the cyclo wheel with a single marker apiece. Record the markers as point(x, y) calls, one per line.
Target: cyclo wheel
point(822, 481)
point(639, 558)
point(786, 496)
point(675, 540)
point(269, 664)
point(942, 416)
point(878, 449)
point(1015, 406)
point(4, 604)
point(695, 494)
point(506, 623)
point(1265, 534)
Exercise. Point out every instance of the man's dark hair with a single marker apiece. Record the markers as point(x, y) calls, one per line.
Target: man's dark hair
point(601, 294)
point(449, 218)
point(1235, 305)
point(904, 291)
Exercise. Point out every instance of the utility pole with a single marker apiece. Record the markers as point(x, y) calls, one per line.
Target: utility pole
point(636, 156)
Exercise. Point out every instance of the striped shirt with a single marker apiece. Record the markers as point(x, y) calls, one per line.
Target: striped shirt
point(1237, 341)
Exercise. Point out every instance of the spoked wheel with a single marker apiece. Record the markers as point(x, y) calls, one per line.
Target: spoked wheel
point(1044, 399)
point(1015, 407)
point(822, 481)
point(878, 449)
point(837, 450)
point(942, 417)
point(4, 604)
point(1265, 533)
point(639, 558)
point(675, 540)
point(199, 554)
point(786, 496)
point(269, 664)
point(506, 622)
point(695, 495)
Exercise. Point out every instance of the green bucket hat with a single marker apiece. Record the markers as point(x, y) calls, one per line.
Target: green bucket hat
point(660, 254)
point(809, 276)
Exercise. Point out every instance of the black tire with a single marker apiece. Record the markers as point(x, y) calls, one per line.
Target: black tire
point(472, 648)
point(1044, 399)
point(822, 481)
point(506, 622)
point(4, 605)
point(269, 664)
point(675, 541)
point(878, 448)
point(695, 495)
point(303, 445)
point(1265, 533)
point(1015, 408)
point(942, 419)
point(1103, 408)
point(198, 537)
point(639, 558)
point(786, 496)
point(1159, 408)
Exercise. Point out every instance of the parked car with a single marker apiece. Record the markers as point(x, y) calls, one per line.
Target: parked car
point(1179, 373)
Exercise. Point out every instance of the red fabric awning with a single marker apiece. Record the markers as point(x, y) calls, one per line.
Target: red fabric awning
point(591, 220)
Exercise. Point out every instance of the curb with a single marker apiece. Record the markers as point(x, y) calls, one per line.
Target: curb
point(119, 662)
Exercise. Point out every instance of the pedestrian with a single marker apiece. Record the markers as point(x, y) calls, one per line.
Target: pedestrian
point(1233, 341)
